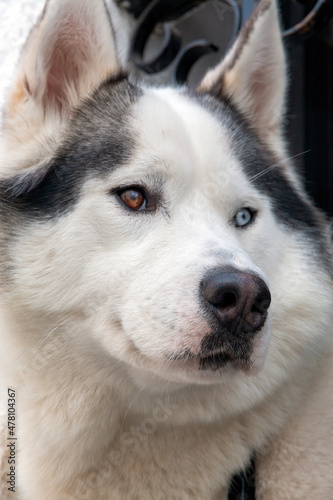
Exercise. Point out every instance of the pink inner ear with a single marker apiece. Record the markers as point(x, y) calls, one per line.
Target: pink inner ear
point(70, 52)
point(68, 60)
point(257, 89)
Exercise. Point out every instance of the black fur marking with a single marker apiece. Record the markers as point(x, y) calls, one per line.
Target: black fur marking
point(22, 185)
point(99, 140)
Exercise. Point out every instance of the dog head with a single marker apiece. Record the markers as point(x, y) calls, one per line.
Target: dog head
point(166, 223)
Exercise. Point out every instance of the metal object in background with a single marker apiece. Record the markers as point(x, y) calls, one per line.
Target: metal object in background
point(188, 57)
point(161, 12)
point(194, 50)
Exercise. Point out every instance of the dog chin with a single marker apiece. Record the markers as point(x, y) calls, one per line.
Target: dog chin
point(178, 374)
point(207, 369)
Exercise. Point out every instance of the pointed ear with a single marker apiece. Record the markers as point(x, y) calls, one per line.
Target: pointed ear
point(70, 51)
point(253, 73)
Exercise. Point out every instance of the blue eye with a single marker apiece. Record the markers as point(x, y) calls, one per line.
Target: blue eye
point(244, 217)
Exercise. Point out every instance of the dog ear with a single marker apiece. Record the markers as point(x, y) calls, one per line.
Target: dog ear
point(70, 52)
point(253, 74)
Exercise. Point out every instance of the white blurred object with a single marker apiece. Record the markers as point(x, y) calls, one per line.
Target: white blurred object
point(16, 19)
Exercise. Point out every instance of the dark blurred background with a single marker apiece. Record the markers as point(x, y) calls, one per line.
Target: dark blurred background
point(310, 119)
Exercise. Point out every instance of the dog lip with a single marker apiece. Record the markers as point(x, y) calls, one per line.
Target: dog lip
point(215, 361)
point(220, 358)
point(212, 360)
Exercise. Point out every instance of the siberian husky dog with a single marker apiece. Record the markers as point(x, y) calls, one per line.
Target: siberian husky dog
point(166, 283)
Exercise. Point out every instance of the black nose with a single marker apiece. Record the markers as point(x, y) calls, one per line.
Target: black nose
point(239, 300)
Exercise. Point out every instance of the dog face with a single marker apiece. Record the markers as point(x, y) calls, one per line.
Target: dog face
point(163, 223)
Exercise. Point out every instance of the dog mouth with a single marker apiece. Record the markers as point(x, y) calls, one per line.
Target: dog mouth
point(215, 360)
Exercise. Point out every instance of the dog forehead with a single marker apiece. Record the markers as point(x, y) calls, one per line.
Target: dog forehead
point(171, 109)
point(179, 129)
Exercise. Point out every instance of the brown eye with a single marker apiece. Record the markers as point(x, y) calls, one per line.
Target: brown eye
point(133, 199)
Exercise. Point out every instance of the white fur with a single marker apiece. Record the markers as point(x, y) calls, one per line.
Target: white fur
point(100, 302)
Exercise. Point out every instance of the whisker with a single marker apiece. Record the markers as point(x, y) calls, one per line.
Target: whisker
point(263, 172)
point(42, 341)
point(129, 407)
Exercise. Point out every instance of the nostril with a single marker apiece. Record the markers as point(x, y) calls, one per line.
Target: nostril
point(258, 307)
point(228, 300)
point(262, 303)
